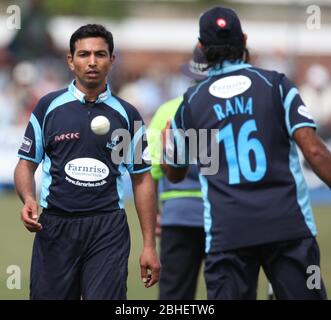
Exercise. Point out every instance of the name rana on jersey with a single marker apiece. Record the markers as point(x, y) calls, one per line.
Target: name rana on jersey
point(234, 106)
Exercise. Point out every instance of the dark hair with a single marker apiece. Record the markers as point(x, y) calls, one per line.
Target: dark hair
point(92, 31)
point(230, 51)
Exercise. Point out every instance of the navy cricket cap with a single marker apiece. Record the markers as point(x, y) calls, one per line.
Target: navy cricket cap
point(196, 67)
point(220, 26)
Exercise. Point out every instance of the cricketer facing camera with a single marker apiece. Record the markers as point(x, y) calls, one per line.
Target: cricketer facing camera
point(256, 206)
point(82, 240)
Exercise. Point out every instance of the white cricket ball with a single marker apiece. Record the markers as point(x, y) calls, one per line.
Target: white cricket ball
point(100, 125)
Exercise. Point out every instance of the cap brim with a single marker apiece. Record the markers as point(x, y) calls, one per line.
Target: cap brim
point(195, 75)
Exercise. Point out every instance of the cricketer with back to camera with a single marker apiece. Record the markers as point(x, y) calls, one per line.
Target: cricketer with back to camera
point(257, 211)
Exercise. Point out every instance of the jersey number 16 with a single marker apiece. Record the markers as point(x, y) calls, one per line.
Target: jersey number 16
point(237, 154)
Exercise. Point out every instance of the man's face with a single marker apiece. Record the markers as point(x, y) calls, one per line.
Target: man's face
point(91, 62)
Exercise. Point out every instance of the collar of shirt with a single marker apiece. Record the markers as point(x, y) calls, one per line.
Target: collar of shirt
point(79, 95)
point(228, 66)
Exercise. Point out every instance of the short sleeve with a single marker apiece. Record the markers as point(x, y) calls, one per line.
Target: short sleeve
point(296, 113)
point(32, 148)
point(137, 155)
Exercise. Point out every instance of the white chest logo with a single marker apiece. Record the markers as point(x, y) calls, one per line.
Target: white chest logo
point(86, 169)
point(230, 86)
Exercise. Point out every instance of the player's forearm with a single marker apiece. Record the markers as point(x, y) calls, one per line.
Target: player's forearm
point(145, 201)
point(319, 159)
point(315, 152)
point(24, 180)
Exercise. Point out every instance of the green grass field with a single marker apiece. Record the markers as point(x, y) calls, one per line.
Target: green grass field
point(16, 245)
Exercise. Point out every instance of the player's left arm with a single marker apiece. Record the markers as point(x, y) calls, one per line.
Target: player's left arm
point(301, 127)
point(145, 202)
point(315, 152)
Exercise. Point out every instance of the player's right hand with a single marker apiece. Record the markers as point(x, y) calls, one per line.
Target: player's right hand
point(149, 267)
point(29, 215)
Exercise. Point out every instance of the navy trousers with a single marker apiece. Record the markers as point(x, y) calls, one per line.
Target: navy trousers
point(80, 257)
point(234, 274)
point(182, 254)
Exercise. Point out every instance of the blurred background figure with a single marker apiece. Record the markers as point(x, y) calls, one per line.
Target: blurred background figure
point(146, 92)
point(180, 221)
point(32, 41)
point(153, 87)
point(316, 93)
point(30, 65)
point(22, 87)
point(277, 59)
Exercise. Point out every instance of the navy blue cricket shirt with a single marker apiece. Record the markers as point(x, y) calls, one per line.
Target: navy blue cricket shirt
point(79, 172)
point(258, 193)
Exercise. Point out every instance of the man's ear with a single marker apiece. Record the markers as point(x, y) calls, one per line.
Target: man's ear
point(70, 62)
point(112, 58)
